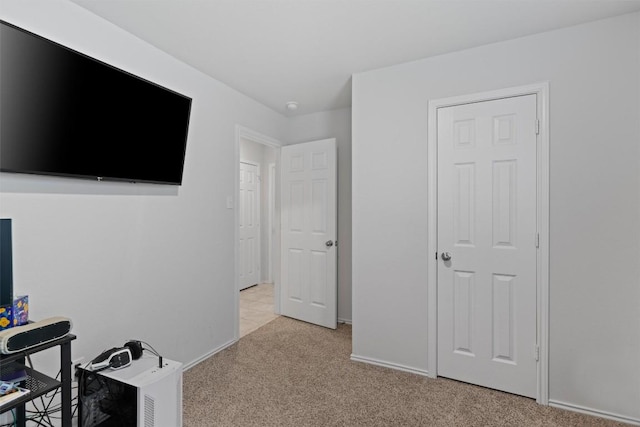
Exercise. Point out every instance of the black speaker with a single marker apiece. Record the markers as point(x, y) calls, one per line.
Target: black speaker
point(135, 347)
point(30, 335)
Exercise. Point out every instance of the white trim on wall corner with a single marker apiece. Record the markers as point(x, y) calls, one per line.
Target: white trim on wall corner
point(390, 365)
point(245, 132)
point(345, 321)
point(207, 355)
point(594, 412)
point(541, 90)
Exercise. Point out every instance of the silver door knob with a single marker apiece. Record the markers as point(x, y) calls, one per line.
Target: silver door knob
point(446, 256)
point(329, 243)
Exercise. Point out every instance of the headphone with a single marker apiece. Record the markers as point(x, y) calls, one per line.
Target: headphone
point(135, 347)
point(121, 357)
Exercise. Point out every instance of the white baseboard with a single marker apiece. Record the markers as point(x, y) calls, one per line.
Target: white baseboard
point(390, 365)
point(207, 355)
point(594, 412)
point(345, 321)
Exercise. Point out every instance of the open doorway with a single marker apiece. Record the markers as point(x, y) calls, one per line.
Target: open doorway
point(300, 242)
point(257, 231)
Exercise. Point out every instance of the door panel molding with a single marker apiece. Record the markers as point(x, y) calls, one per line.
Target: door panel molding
point(541, 90)
point(308, 182)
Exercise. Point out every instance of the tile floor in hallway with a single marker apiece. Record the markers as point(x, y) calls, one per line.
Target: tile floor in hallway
point(256, 307)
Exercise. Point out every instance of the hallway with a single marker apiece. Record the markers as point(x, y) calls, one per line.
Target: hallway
point(256, 307)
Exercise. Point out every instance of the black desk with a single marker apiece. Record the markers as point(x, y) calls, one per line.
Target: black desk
point(39, 383)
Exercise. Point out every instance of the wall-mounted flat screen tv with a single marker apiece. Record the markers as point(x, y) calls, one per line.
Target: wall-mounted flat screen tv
point(6, 263)
point(64, 113)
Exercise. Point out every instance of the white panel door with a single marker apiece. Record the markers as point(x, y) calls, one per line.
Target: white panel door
point(249, 200)
point(487, 225)
point(309, 229)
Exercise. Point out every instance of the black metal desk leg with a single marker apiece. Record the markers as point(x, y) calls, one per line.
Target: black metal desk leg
point(20, 410)
point(66, 379)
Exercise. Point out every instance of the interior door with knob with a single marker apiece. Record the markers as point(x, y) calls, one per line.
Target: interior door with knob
point(309, 229)
point(487, 243)
point(249, 224)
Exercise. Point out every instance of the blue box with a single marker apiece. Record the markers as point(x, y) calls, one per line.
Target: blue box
point(6, 317)
point(20, 310)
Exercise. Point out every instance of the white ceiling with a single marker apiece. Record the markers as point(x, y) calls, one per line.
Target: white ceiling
point(306, 50)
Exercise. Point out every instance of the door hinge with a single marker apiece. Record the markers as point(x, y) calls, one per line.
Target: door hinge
point(537, 355)
point(537, 240)
point(537, 127)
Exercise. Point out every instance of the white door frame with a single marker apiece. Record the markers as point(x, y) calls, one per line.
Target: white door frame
point(542, 259)
point(271, 218)
point(251, 135)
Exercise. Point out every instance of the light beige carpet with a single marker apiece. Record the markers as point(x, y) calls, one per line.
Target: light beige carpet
point(291, 373)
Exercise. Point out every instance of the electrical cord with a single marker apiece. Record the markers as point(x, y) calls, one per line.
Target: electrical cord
point(153, 351)
point(44, 412)
point(12, 423)
point(110, 400)
point(85, 374)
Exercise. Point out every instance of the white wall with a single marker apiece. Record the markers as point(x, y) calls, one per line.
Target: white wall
point(251, 151)
point(334, 124)
point(134, 261)
point(594, 76)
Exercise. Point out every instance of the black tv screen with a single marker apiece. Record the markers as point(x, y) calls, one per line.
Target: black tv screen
point(64, 113)
point(6, 263)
